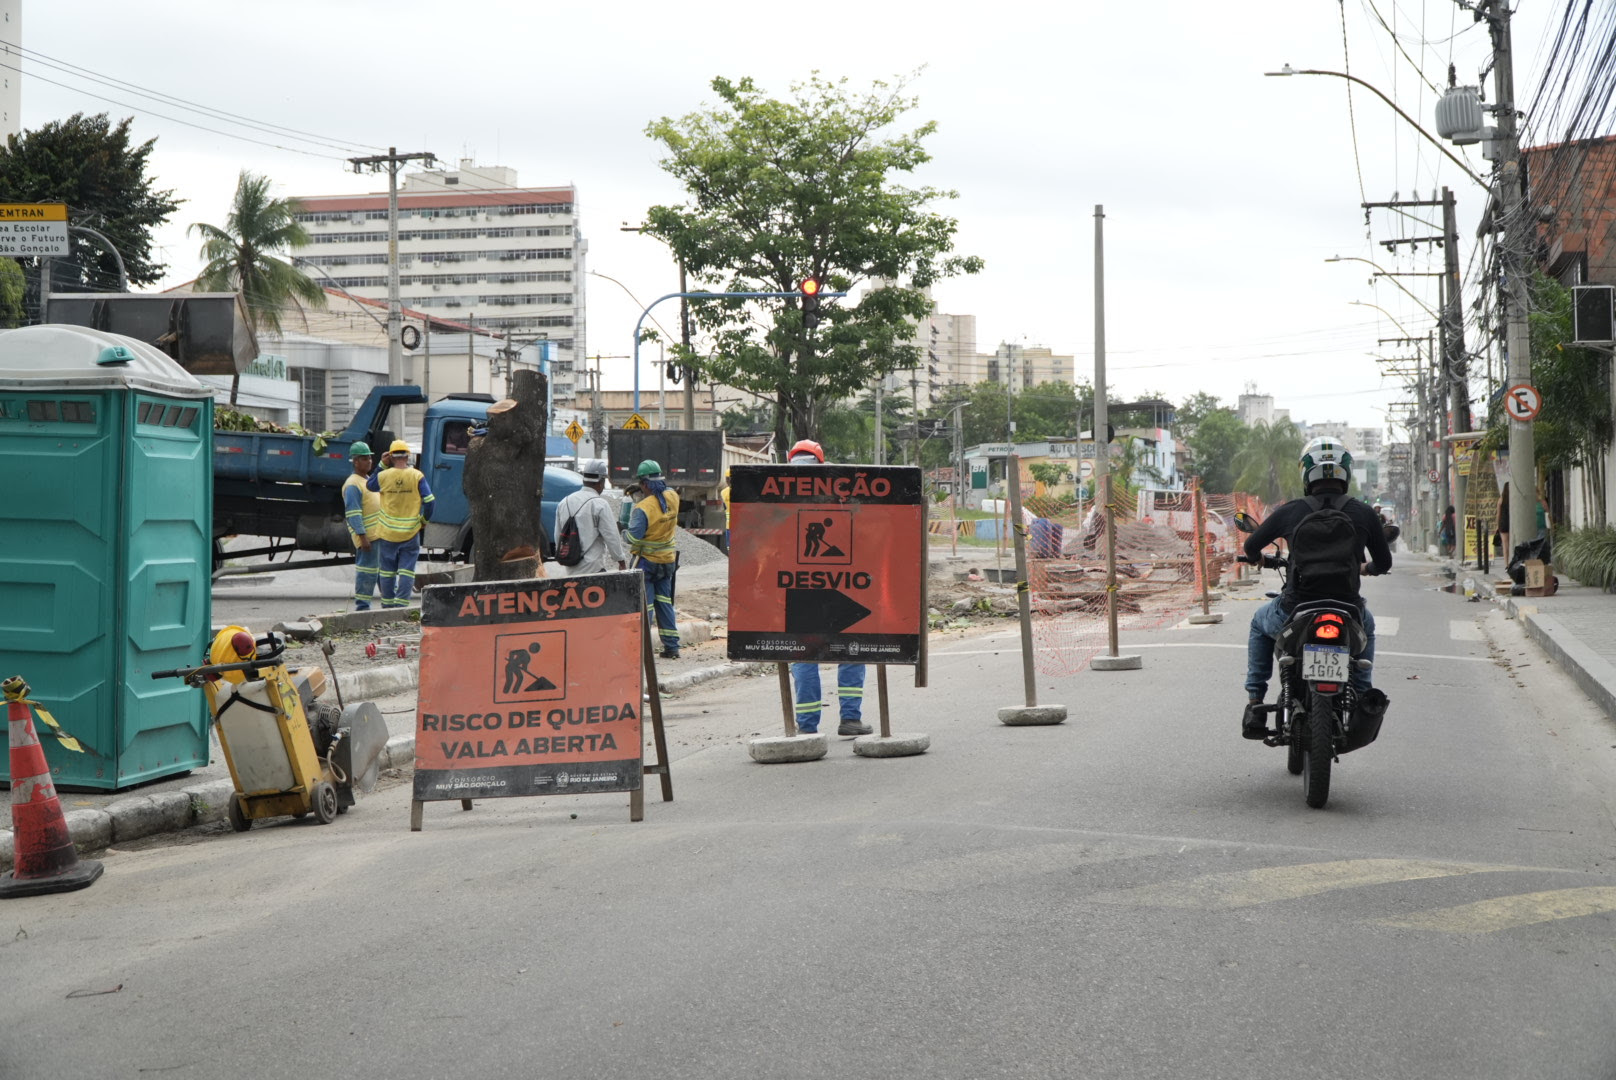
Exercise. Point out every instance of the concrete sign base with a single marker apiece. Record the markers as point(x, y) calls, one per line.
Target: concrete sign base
point(1032, 715)
point(1127, 662)
point(784, 748)
point(1206, 620)
point(899, 745)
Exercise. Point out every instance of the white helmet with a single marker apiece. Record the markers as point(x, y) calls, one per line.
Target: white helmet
point(1325, 459)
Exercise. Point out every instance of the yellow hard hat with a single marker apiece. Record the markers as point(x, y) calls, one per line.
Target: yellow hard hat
point(232, 645)
point(399, 447)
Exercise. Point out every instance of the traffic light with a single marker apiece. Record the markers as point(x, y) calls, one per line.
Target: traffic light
point(810, 287)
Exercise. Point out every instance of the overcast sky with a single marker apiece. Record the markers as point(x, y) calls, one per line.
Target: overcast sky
point(1224, 190)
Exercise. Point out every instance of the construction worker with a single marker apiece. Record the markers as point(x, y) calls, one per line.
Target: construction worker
point(406, 505)
point(362, 509)
point(849, 677)
point(598, 537)
point(725, 496)
point(653, 540)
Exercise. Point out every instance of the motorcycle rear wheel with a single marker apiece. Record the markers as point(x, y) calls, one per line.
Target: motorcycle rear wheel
point(1293, 751)
point(1318, 750)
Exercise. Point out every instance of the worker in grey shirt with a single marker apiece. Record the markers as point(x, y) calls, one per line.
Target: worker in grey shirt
point(597, 525)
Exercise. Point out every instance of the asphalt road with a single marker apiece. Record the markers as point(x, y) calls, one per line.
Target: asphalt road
point(1136, 893)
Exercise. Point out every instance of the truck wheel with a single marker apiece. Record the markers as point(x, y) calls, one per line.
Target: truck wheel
point(239, 821)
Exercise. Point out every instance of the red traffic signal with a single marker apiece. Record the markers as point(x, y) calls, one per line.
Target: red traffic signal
point(809, 286)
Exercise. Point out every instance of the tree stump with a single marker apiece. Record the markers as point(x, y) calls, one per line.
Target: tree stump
point(504, 484)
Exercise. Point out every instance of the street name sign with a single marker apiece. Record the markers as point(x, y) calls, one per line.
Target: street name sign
point(826, 563)
point(530, 687)
point(33, 229)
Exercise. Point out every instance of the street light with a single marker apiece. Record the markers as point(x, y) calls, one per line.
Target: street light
point(1389, 274)
point(1287, 70)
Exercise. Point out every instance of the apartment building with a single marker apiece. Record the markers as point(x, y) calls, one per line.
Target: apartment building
point(474, 247)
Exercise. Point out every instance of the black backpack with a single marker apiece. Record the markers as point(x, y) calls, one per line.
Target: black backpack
point(569, 548)
point(1324, 553)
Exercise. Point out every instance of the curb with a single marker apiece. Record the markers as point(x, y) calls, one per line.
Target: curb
point(1592, 673)
point(675, 683)
point(380, 681)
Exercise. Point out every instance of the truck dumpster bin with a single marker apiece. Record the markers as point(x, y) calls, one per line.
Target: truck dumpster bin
point(105, 548)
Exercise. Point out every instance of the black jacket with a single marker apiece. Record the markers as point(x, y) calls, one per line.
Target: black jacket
point(1282, 522)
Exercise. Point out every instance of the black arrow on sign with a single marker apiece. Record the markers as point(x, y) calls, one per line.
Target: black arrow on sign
point(821, 611)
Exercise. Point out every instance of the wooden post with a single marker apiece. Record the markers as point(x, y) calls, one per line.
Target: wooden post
point(788, 706)
point(881, 698)
point(1024, 586)
point(503, 481)
point(659, 735)
point(1200, 548)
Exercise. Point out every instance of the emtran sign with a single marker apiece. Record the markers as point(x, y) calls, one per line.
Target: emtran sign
point(33, 229)
point(826, 563)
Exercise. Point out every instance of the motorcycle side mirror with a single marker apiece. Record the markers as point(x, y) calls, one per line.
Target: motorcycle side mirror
point(1245, 522)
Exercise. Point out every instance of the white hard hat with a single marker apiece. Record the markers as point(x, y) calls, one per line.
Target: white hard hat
point(592, 469)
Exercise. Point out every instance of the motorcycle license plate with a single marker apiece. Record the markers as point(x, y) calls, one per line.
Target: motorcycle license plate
point(1324, 663)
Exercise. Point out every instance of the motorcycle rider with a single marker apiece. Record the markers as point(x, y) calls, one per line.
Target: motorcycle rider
point(1326, 473)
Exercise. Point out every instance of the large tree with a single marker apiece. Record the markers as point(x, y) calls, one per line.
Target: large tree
point(781, 190)
point(1574, 429)
point(1268, 464)
point(90, 164)
point(1216, 440)
point(245, 254)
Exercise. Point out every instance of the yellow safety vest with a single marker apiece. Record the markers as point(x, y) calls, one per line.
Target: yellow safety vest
point(725, 496)
point(400, 501)
point(370, 507)
point(658, 544)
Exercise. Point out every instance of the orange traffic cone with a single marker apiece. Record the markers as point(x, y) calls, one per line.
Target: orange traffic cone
point(44, 859)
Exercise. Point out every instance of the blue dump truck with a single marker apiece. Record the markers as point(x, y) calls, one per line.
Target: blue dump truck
point(288, 488)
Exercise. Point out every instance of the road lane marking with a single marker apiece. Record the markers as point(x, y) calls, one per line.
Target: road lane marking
point(1508, 912)
point(1387, 625)
point(1463, 630)
point(1247, 888)
point(1003, 864)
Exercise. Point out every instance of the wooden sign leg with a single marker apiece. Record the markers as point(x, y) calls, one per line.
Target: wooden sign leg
point(659, 735)
point(417, 813)
point(788, 705)
point(881, 697)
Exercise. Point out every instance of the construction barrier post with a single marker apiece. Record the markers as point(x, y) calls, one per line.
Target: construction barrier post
point(44, 858)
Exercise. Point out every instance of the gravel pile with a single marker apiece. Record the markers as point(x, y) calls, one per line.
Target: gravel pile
point(696, 551)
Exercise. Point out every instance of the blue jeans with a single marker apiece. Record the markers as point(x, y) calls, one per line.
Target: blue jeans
point(397, 559)
point(659, 580)
point(1266, 623)
point(849, 693)
point(367, 572)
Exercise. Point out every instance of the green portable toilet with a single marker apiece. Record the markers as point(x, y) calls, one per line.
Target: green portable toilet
point(106, 447)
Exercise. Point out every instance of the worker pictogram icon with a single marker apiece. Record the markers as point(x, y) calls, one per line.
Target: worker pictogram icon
point(826, 536)
point(530, 667)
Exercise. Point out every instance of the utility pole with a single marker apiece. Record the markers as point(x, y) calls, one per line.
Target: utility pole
point(684, 339)
point(1517, 332)
point(1457, 359)
point(880, 425)
point(392, 161)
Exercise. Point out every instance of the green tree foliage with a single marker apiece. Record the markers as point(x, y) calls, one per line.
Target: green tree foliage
point(1574, 428)
point(1045, 411)
point(90, 164)
point(245, 254)
point(1049, 473)
point(1215, 440)
point(1197, 407)
point(739, 419)
point(12, 286)
point(778, 190)
point(1267, 464)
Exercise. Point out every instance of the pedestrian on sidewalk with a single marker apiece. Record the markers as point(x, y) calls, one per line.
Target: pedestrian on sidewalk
point(805, 677)
point(653, 539)
point(362, 510)
point(1445, 534)
point(406, 506)
point(598, 538)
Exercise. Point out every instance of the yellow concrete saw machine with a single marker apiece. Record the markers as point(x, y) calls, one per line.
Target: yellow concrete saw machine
point(289, 752)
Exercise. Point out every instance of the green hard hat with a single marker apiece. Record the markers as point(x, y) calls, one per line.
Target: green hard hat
point(360, 449)
point(648, 468)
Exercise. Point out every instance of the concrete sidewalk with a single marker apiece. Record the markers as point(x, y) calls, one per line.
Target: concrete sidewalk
point(1574, 626)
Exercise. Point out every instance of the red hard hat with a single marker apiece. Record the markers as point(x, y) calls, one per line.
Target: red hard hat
point(807, 446)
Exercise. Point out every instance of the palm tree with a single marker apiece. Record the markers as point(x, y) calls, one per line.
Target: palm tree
point(242, 256)
point(1267, 466)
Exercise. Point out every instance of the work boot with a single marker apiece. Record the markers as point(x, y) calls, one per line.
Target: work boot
point(1254, 725)
point(853, 727)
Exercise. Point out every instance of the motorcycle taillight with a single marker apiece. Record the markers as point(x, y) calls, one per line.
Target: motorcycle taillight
point(1329, 687)
point(1324, 631)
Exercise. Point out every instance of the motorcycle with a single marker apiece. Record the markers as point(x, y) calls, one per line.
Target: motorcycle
point(1319, 715)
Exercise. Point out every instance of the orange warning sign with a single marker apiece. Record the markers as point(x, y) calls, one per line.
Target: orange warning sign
point(825, 563)
point(530, 688)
